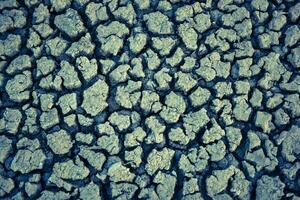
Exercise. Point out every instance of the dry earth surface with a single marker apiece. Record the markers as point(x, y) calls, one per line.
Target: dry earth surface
point(148, 99)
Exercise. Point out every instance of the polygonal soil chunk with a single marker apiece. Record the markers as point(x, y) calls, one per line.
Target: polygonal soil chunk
point(49, 118)
point(10, 46)
point(166, 185)
point(269, 188)
point(56, 46)
point(10, 120)
point(68, 75)
point(90, 191)
point(12, 19)
point(108, 140)
point(195, 120)
point(177, 135)
point(163, 45)
point(264, 121)
point(159, 160)
point(126, 13)
point(111, 37)
point(213, 134)
point(60, 142)
point(46, 101)
point(45, 195)
point(70, 23)
point(231, 178)
point(174, 107)
point(96, 12)
point(185, 82)
point(6, 148)
point(289, 141)
point(150, 101)
point(134, 157)
point(137, 42)
point(29, 157)
point(64, 172)
point(128, 96)
point(95, 159)
point(17, 87)
point(199, 97)
point(45, 66)
point(194, 161)
point(6, 185)
point(156, 128)
point(19, 64)
point(67, 102)
point(83, 46)
point(94, 98)
point(117, 172)
point(217, 150)
point(134, 138)
point(88, 68)
point(158, 23)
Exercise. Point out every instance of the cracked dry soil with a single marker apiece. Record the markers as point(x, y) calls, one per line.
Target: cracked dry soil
point(149, 99)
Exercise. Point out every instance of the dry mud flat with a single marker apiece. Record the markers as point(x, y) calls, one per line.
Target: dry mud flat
point(140, 99)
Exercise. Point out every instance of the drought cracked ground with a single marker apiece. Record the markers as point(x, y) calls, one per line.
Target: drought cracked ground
point(140, 99)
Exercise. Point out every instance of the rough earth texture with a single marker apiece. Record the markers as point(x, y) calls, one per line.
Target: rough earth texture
point(150, 99)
